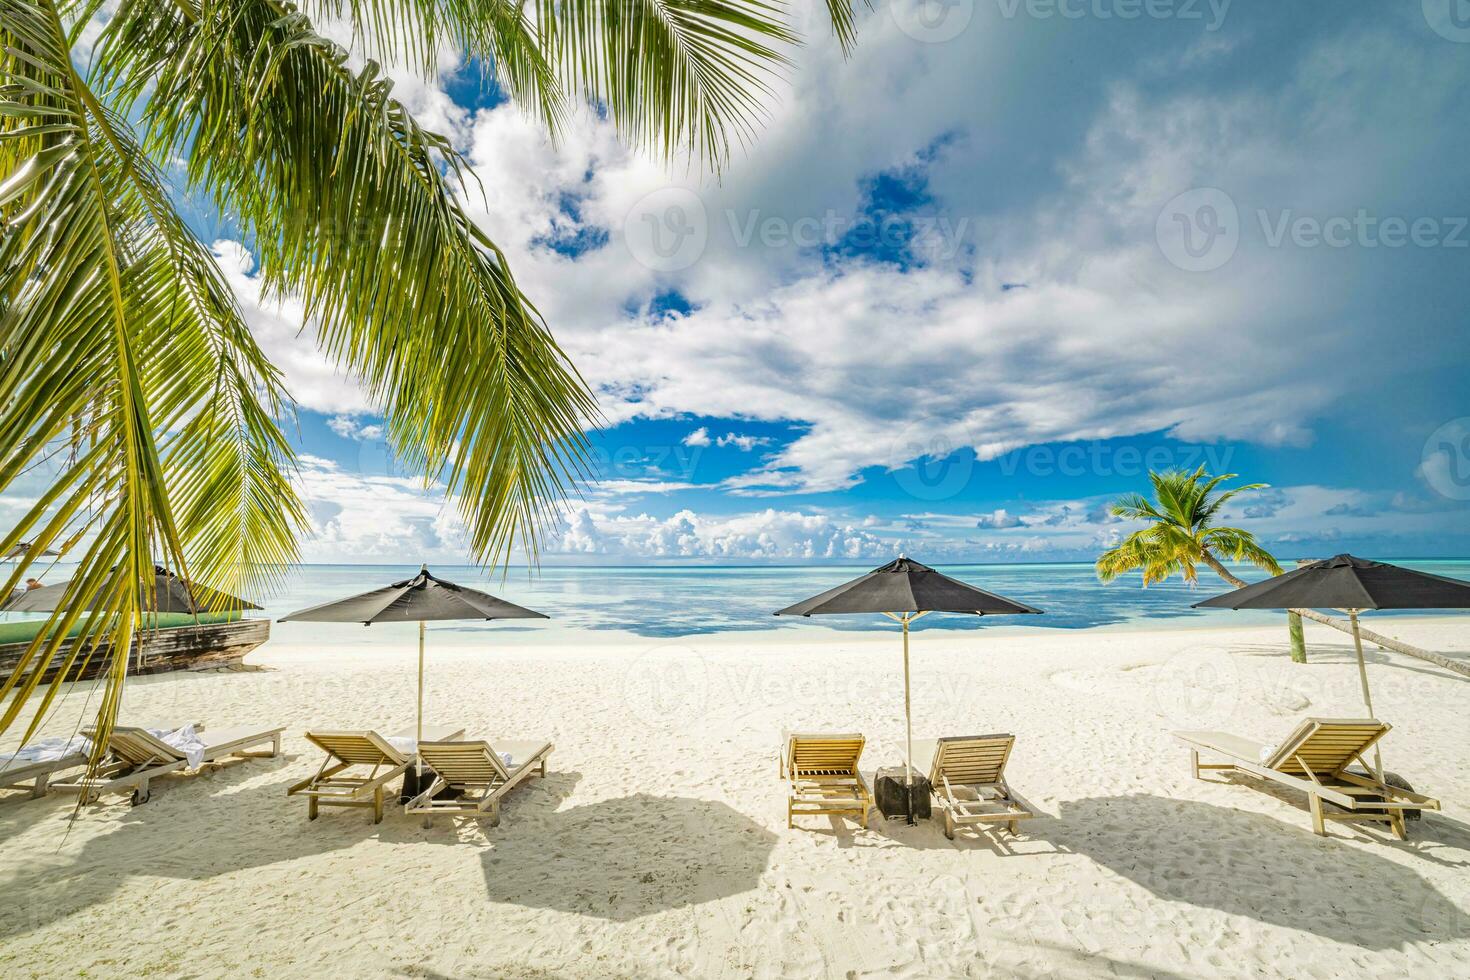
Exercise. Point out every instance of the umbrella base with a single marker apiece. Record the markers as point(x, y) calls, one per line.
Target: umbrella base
point(891, 795)
point(1392, 779)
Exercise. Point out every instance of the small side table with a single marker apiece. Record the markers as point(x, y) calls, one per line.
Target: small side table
point(890, 793)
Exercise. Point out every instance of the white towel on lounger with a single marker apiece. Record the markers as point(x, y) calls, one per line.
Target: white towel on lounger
point(46, 750)
point(186, 740)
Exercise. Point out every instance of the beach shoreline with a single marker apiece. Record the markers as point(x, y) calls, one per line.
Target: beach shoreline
point(657, 845)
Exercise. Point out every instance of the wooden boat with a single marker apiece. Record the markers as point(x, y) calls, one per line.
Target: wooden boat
point(167, 647)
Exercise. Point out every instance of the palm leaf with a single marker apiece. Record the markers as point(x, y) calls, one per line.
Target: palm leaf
point(111, 320)
point(352, 211)
point(670, 73)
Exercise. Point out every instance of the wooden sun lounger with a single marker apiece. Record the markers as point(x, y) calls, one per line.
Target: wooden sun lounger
point(822, 770)
point(340, 780)
point(135, 758)
point(1314, 759)
point(38, 774)
point(967, 778)
point(477, 774)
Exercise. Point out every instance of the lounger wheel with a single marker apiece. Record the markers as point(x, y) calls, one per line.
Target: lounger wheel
point(141, 795)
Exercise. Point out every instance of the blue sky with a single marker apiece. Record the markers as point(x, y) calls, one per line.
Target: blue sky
point(969, 284)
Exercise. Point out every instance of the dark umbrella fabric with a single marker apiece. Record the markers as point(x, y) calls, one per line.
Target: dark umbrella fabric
point(1346, 582)
point(20, 550)
point(1351, 584)
point(906, 586)
point(904, 590)
point(170, 594)
point(422, 598)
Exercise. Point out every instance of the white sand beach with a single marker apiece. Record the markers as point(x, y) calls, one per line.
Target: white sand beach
point(657, 845)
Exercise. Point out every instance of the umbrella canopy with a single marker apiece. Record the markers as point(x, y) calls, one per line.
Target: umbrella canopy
point(170, 594)
point(420, 599)
point(905, 586)
point(1352, 585)
point(1346, 582)
point(903, 590)
point(19, 551)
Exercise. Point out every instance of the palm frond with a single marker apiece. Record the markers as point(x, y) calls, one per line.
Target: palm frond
point(670, 73)
point(352, 211)
point(1240, 545)
point(844, 22)
point(111, 317)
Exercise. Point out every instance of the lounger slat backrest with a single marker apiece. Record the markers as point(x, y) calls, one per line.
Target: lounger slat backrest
point(357, 748)
point(1325, 745)
point(136, 747)
point(823, 753)
point(464, 763)
point(971, 759)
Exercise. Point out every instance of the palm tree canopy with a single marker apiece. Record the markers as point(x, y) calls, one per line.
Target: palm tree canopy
point(1181, 529)
point(124, 357)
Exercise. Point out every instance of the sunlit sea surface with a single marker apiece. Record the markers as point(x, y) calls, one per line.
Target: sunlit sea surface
point(600, 604)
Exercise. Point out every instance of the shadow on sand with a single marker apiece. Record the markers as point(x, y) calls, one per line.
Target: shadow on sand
point(1255, 867)
point(625, 858)
point(238, 817)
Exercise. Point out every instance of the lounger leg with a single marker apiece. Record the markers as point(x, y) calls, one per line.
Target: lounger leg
point(1012, 826)
point(543, 767)
point(275, 746)
point(1194, 763)
point(378, 805)
point(790, 818)
point(495, 814)
point(1400, 827)
point(865, 818)
point(39, 789)
point(312, 809)
point(1319, 826)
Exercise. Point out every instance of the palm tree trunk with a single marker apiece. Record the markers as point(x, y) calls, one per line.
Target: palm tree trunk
point(1387, 642)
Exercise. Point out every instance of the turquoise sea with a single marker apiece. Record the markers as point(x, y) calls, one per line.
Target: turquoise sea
point(665, 602)
point(599, 604)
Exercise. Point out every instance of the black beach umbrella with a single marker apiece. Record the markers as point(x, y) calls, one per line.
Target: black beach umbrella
point(420, 599)
point(903, 590)
point(1351, 585)
point(168, 594)
point(19, 552)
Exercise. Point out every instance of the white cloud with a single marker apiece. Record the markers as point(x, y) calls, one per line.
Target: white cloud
point(744, 443)
point(998, 520)
point(879, 365)
point(762, 535)
point(350, 428)
point(279, 327)
point(1103, 341)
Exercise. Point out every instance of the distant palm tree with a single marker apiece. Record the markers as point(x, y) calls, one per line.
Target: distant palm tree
point(1182, 532)
point(126, 366)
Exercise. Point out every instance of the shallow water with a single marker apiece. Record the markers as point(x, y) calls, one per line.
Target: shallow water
point(588, 604)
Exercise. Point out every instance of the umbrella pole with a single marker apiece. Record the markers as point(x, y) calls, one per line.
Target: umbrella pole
point(420, 736)
point(1363, 679)
point(908, 722)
